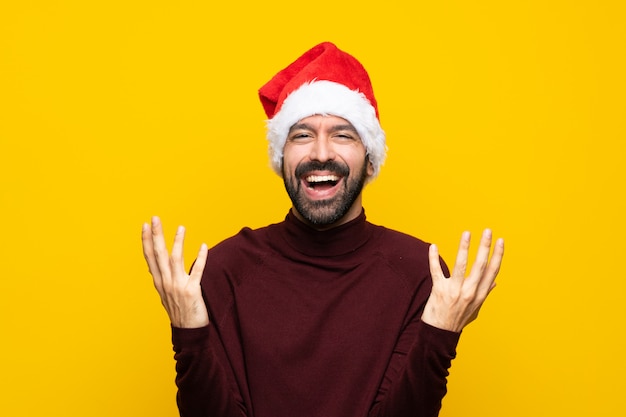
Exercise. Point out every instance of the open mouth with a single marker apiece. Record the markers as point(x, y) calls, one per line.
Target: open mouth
point(321, 182)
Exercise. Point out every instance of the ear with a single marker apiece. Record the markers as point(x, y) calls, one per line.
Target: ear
point(370, 167)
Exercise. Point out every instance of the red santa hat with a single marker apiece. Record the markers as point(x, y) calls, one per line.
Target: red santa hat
point(326, 81)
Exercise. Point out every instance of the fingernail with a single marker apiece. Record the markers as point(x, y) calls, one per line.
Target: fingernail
point(144, 227)
point(181, 229)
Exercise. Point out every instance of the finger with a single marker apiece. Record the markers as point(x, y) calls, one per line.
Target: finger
point(435, 265)
point(488, 282)
point(198, 266)
point(148, 254)
point(148, 249)
point(160, 250)
point(177, 262)
point(496, 259)
point(460, 266)
point(482, 257)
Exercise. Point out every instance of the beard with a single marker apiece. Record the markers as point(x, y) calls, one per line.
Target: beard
point(329, 211)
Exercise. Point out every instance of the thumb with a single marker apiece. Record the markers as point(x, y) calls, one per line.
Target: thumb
point(198, 266)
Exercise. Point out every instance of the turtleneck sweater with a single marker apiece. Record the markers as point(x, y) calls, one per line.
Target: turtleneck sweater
point(308, 323)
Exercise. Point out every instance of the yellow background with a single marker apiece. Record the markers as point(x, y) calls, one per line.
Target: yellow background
point(502, 114)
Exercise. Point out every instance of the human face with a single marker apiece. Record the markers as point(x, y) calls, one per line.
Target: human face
point(324, 170)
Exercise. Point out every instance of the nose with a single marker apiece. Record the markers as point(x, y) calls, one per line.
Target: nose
point(322, 149)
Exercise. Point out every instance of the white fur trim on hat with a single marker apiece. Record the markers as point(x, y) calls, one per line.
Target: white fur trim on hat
point(327, 98)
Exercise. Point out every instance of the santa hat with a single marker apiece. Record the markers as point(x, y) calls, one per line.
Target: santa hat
point(326, 81)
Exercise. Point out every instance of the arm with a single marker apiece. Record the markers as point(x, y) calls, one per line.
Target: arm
point(203, 389)
point(415, 382)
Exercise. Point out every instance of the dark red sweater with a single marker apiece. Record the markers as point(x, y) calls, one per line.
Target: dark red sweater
point(314, 324)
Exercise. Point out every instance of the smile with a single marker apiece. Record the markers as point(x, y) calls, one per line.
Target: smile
point(321, 186)
point(326, 181)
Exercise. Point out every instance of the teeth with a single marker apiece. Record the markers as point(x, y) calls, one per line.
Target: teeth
point(322, 178)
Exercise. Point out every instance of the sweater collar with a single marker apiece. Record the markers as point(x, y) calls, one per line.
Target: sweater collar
point(337, 241)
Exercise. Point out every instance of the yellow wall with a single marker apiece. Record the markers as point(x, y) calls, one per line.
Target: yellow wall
point(500, 114)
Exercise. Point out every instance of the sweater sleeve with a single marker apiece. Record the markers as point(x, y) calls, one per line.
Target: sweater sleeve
point(415, 381)
point(203, 388)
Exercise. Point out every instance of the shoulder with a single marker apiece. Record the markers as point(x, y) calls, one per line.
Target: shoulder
point(398, 239)
point(392, 241)
point(405, 253)
point(232, 262)
point(247, 244)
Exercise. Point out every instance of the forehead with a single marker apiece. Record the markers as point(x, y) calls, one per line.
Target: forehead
point(319, 122)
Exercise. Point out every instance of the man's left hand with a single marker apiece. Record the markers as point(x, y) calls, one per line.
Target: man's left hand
point(455, 301)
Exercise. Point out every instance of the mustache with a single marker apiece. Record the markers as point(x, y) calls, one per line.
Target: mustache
point(332, 166)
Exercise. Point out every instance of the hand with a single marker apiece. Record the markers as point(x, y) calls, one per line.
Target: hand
point(454, 302)
point(180, 292)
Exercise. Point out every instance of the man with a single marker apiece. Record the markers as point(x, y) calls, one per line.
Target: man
point(323, 314)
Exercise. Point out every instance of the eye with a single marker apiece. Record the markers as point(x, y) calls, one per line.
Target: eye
point(345, 136)
point(300, 136)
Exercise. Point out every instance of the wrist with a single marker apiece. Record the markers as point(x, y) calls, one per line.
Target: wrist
point(430, 317)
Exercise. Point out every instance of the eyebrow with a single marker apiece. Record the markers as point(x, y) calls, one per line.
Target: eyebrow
point(335, 128)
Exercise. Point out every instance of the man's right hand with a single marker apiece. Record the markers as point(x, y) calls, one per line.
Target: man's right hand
point(180, 292)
